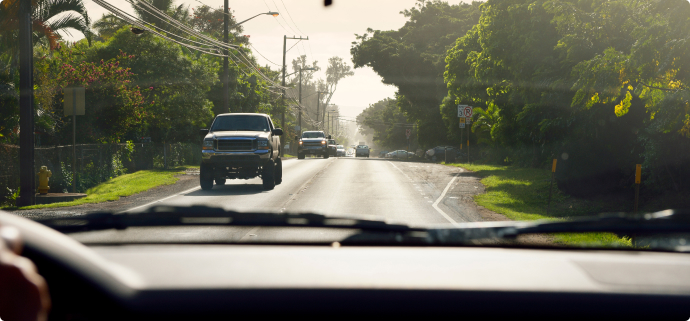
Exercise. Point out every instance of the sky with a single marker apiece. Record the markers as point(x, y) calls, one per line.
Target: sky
point(331, 30)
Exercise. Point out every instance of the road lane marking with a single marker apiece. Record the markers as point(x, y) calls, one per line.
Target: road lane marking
point(439, 210)
point(435, 204)
point(162, 199)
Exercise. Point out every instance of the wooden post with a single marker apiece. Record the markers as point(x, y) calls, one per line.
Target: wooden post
point(553, 174)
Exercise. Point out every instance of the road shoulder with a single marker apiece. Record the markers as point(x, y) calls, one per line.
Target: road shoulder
point(185, 182)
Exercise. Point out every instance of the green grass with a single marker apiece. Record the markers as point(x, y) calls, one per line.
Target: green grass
point(522, 194)
point(125, 185)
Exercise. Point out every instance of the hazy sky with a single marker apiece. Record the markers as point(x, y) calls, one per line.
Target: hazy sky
point(330, 30)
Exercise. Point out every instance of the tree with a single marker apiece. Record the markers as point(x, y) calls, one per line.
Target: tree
point(176, 83)
point(49, 18)
point(412, 59)
point(113, 105)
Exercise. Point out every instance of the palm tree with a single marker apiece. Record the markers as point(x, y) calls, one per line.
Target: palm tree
point(49, 18)
point(486, 123)
point(107, 25)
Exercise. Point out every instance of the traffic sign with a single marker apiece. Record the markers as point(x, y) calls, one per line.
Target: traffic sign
point(468, 120)
point(462, 122)
point(467, 111)
point(408, 132)
point(461, 110)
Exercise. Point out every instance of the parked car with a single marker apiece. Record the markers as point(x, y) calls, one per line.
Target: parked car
point(383, 153)
point(438, 153)
point(400, 154)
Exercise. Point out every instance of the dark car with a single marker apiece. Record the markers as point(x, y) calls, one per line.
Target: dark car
point(312, 143)
point(332, 147)
point(362, 151)
point(241, 146)
point(438, 153)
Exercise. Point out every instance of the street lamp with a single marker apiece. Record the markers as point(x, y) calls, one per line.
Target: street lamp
point(270, 13)
point(226, 80)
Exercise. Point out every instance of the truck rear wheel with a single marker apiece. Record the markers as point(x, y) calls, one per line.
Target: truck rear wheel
point(325, 155)
point(300, 156)
point(268, 176)
point(205, 177)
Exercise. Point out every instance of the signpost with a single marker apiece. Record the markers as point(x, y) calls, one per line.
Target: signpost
point(74, 105)
point(465, 118)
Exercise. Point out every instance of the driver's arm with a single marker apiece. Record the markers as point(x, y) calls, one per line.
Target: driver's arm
point(23, 292)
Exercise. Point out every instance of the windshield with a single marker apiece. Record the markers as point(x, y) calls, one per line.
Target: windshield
point(449, 112)
point(240, 123)
point(313, 135)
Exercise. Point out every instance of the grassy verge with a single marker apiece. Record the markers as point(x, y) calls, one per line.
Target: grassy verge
point(522, 194)
point(125, 185)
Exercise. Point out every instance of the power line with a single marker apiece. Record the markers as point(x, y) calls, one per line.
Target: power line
point(257, 51)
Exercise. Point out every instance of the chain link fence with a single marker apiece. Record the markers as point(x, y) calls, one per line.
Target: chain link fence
point(95, 163)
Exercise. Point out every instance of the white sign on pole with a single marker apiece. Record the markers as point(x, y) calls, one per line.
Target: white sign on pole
point(467, 111)
point(461, 110)
point(462, 122)
point(468, 120)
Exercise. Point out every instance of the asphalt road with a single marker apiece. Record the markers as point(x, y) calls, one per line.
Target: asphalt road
point(413, 193)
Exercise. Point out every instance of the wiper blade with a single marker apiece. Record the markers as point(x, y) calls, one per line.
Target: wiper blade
point(664, 222)
point(203, 215)
point(669, 221)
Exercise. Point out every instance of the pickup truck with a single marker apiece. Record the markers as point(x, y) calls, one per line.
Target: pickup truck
point(241, 146)
point(313, 143)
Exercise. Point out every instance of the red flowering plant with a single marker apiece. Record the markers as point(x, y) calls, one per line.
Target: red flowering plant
point(113, 107)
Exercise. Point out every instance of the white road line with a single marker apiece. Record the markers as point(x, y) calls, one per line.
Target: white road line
point(435, 205)
point(162, 199)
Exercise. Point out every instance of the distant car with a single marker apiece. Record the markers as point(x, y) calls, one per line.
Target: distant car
point(340, 150)
point(312, 143)
point(332, 147)
point(362, 151)
point(438, 153)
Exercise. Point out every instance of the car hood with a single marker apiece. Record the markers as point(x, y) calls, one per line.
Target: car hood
point(242, 134)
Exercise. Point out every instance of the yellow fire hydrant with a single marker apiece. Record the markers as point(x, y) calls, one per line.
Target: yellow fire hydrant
point(43, 176)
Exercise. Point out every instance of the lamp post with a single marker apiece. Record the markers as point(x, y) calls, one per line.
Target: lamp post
point(300, 97)
point(226, 76)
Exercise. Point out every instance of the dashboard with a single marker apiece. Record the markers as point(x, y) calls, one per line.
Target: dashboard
point(205, 281)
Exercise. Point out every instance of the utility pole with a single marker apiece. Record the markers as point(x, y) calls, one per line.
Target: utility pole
point(26, 107)
point(226, 75)
point(282, 116)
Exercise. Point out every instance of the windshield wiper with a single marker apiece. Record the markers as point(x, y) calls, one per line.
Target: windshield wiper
point(664, 222)
point(203, 215)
